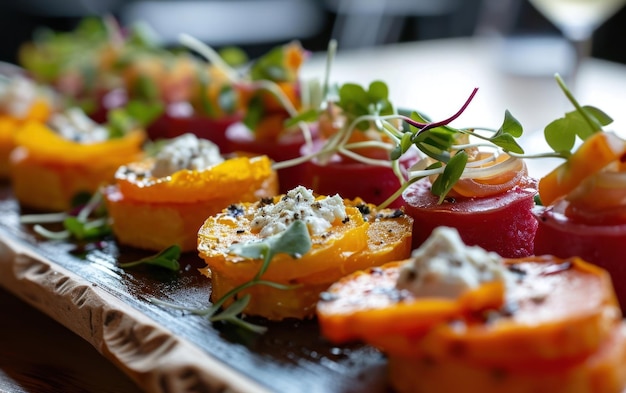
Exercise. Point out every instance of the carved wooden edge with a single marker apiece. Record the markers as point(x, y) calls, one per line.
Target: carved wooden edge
point(152, 356)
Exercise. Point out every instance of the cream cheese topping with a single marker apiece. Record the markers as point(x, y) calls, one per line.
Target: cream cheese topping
point(75, 125)
point(445, 267)
point(17, 95)
point(299, 204)
point(186, 152)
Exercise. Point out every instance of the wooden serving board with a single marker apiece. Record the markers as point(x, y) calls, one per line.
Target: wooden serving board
point(163, 349)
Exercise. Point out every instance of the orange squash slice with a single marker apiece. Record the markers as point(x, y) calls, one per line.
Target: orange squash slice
point(154, 213)
point(48, 171)
point(557, 321)
point(367, 238)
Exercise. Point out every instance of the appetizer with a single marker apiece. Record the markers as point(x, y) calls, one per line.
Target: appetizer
point(584, 207)
point(79, 64)
point(270, 95)
point(163, 200)
point(473, 180)
point(345, 236)
point(455, 318)
point(21, 99)
point(582, 199)
point(490, 205)
point(353, 157)
point(55, 163)
point(211, 106)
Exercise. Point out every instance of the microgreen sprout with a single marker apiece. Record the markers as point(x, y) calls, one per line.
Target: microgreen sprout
point(264, 75)
point(294, 241)
point(369, 108)
point(88, 223)
point(167, 259)
point(584, 121)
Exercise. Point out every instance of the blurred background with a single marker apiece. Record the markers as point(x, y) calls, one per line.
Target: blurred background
point(258, 25)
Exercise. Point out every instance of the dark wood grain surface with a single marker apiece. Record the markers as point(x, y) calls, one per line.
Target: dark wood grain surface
point(37, 354)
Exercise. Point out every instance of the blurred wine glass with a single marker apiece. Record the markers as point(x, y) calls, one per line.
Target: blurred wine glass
point(577, 20)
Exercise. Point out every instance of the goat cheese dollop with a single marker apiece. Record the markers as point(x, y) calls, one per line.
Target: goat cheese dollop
point(299, 204)
point(17, 95)
point(75, 125)
point(445, 267)
point(186, 152)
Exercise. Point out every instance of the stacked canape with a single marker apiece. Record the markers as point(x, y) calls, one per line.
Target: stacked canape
point(197, 98)
point(163, 200)
point(53, 163)
point(351, 155)
point(584, 207)
point(21, 100)
point(80, 64)
point(472, 181)
point(270, 95)
point(345, 236)
point(491, 205)
point(455, 318)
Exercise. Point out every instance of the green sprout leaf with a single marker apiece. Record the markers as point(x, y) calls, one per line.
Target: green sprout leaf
point(255, 113)
point(90, 222)
point(167, 259)
point(561, 133)
point(233, 56)
point(135, 114)
point(294, 241)
point(451, 174)
point(507, 142)
point(356, 102)
point(510, 126)
point(310, 115)
point(81, 229)
point(271, 66)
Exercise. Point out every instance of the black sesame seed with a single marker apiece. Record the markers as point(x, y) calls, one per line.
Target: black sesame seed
point(266, 201)
point(235, 210)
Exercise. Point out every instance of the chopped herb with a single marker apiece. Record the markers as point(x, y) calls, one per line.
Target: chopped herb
point(89, 222)
point(167, 258)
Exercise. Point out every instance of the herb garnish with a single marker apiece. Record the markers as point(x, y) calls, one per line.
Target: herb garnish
point(167, 258)
point(294, 241)
point(89, 222)
point(584, 121)
point(435, 139)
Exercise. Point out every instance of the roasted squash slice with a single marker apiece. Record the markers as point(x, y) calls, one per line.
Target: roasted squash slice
point(363, 239)
point(559, 321)
point(48, 171)
point(154, 213)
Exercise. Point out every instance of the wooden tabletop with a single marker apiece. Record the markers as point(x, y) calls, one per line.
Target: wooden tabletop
point(39, 355)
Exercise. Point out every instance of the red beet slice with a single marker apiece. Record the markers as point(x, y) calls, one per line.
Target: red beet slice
point(239, 138)
point(352, 179)
point(106, 101)
point(502, 223)
point(180, 118)
point(602, 245)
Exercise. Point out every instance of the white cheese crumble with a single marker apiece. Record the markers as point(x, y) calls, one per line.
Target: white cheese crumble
point(186, 152)
point(445, 267)
point(17, 95)
point(75, 125)
point(299, 204)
